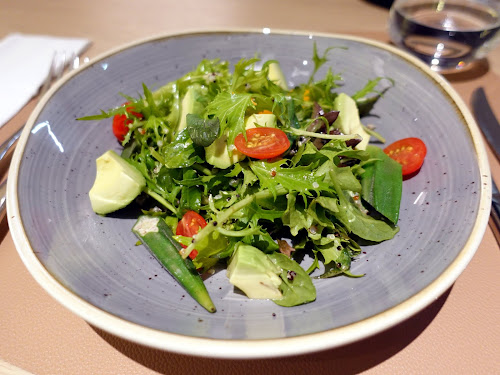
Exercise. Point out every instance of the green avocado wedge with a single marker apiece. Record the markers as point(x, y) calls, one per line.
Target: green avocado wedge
point(117, 183)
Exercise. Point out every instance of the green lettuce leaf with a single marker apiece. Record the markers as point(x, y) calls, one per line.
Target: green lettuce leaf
point(297, 287)
point(358, 222)
point(230, 109)
point(296, 216)
point(181, 152)
point(301, 178)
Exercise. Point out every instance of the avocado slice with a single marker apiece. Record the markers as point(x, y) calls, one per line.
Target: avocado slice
point(276, 75)
point(348, 121)
point(190, 104)
point(218, 154)
point(253, 272)
point(117, 183)
point(267, 120)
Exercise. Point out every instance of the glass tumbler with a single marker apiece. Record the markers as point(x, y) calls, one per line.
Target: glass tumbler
point(446, 34)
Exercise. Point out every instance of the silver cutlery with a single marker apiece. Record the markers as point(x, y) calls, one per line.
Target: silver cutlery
point(490, 127)
point(57, 69)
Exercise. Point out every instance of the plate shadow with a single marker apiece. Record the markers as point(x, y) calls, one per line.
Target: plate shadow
point(349, 359)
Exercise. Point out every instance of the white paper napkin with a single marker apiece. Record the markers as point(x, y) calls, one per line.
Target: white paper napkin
point(25, 63)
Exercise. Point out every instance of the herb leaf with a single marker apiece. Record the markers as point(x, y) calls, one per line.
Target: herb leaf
point(181, 152)
point(203, 132)
point(319, 61)
point(230, 109)
point(364, 102)
point(301, 178)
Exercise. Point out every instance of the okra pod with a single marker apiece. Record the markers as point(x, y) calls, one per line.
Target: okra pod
point(156, 235)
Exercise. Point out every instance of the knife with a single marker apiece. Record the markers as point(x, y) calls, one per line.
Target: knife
point(491, 129)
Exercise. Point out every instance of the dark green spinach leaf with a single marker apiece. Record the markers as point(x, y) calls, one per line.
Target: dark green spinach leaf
point(203, 132)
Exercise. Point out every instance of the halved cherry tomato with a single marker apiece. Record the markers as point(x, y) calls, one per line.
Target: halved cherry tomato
point(409, 152)
point(120, 122)
point(262, 143)
point(190, 224)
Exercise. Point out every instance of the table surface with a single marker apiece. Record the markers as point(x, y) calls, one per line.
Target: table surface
point(458, 333)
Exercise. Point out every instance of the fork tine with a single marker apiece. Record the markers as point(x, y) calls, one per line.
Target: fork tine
point(50, 75)
point(6, 148)
point(55, 72)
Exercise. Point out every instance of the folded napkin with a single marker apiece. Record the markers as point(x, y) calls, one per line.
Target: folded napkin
point(25, 62)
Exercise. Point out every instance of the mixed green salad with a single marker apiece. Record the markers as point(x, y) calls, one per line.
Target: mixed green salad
point(232, 167)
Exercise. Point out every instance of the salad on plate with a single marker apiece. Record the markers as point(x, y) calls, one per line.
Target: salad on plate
point(233, 168)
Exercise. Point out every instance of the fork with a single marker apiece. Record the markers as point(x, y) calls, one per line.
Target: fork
point(57, 68)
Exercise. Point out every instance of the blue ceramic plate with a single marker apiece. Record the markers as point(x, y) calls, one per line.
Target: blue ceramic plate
point(91, 265)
